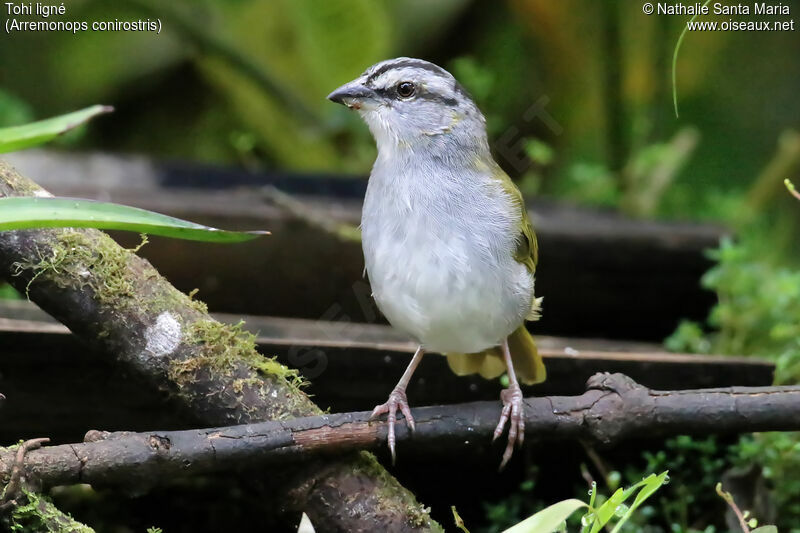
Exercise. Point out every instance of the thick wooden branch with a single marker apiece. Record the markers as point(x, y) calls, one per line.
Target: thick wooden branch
point(116, 301)
point(612, 409)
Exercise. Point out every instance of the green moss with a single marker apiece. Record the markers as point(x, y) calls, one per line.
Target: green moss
point(39, 514)
point(223, 348)
point(77, 259)
point(81, 260)
point(171, 299)
point(17, 183)
point(229, 352)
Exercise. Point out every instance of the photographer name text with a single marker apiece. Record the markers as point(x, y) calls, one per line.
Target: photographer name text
point(718, 8)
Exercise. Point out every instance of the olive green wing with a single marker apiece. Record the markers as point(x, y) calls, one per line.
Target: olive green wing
point(527, 249)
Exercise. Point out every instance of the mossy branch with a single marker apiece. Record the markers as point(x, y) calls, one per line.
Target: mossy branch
point(117, 302)
point(35, 513)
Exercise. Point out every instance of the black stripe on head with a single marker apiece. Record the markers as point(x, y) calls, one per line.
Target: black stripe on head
point(451, 102)
point(403, 63)
point(391, 92)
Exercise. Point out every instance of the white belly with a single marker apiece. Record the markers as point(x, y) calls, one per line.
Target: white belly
point(448, 279)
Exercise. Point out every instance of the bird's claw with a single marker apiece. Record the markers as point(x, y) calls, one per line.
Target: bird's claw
point(514, 413)
point(397, 400)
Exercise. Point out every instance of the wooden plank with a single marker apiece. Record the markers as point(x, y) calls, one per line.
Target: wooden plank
point(22, 316)
point(351, 367)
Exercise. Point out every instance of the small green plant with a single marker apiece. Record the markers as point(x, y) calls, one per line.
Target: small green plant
point(746, 521)
point(757, 314)
point(598, 515)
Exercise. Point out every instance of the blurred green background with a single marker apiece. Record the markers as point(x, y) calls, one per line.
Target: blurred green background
point(244, 82)
point(578, 99)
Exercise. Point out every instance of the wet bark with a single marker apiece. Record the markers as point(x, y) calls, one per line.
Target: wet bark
point(612, 409)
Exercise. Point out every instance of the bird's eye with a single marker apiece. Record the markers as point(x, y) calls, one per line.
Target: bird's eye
point(406, 89)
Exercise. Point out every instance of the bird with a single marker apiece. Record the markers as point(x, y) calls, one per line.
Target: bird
point(449, 249)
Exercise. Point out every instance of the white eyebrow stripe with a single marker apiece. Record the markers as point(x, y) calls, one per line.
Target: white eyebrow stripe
point(395, 76)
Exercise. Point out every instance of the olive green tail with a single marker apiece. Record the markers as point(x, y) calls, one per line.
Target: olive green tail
point(528, 364)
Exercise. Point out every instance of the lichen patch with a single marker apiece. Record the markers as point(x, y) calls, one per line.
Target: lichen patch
point(164, 336)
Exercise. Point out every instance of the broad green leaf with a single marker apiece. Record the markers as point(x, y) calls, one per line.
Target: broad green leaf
point(19, 137)
point(548, 519)
point(28, 213)
point(765, 529)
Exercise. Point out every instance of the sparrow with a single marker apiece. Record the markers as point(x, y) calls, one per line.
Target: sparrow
point(449, 249)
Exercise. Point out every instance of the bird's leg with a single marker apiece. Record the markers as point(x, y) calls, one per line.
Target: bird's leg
point(397, 400)
point(513, 410)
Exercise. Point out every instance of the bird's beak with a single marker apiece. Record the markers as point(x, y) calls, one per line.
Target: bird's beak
point(353, 94)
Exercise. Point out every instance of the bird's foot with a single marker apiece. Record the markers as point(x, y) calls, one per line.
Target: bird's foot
point(397, 400)
point(514, 413)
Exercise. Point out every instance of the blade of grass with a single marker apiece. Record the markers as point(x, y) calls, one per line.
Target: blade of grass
point(18, 137)
point(675, 60)
point(28, 213)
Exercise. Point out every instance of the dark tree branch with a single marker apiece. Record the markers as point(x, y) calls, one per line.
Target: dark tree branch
point(612, 409)
point(116, 301)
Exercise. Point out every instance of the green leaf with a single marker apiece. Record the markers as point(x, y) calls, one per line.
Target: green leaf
point(649, 485)
point(458, 520)
point(548, 519)
point(765, 529)
point(28, 213)
point(19, 137)
point(606, 511)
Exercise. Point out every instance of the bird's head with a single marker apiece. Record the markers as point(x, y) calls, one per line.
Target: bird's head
point(407, 101)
